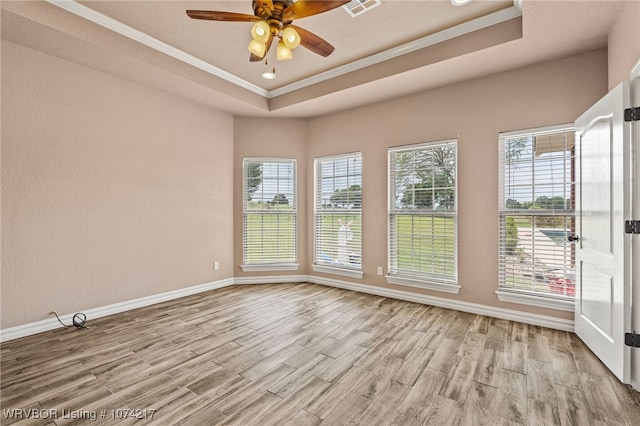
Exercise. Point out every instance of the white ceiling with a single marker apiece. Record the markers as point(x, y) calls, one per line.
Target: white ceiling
point(224, 44)
point(397, 48)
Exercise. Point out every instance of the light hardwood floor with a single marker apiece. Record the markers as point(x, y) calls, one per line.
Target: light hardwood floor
point(303, 354)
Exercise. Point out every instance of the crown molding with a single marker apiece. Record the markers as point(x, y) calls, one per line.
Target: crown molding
point(152, 42)
point(450, 33)
point(403, 49)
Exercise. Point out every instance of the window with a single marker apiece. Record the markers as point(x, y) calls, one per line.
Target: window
point(358, 7)
point(537, 200)
point(269, 215)
point(422, 216)
point(338, 215)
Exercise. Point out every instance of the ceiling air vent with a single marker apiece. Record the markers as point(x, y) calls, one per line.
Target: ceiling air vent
point(358, 7)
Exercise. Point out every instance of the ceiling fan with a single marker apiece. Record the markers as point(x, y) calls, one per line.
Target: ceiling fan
point(274, 18)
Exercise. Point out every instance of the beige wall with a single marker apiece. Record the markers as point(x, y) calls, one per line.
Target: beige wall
point(624, 43)
point(111, 191)
point(475, 112)
point(105, 201)
point(271, 138)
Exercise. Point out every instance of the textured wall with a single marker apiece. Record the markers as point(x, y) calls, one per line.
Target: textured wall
point(111, 191)
point(272, 138)
point(474, 112)
point(624, 43)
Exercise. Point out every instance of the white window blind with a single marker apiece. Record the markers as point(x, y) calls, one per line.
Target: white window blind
point(338, 211)
point(536, 206)
point(269, 212)
point(422, 212)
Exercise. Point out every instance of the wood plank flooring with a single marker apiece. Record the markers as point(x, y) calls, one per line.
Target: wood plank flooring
point(304, 354)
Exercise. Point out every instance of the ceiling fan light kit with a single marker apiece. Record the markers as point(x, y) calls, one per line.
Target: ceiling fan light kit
point(291, 38)
point(283, 53)
point(274, 18)
point(260, 31)
point(257, 48)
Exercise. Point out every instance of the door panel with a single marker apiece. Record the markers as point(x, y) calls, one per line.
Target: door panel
point(596, 298)
point(603, 305)
point(596, 156)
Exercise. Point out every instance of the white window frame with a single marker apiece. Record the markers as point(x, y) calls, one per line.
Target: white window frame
point(289, 264)
point(431, 281)
point(334, 268)
point(522, 296)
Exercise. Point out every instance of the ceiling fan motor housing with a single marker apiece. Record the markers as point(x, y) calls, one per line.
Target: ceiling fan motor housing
point(263, 9)
point(274, 17)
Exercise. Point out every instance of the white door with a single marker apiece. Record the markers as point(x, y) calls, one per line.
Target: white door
point(602, 310)
point(635, 214)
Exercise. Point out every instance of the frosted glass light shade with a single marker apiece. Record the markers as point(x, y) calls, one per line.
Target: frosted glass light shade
point(257, 48)
point(290, 37)
point(260, 31)
point(283, 53)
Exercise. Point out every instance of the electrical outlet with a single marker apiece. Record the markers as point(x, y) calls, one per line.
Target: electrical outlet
point(216, 265)
point(379, 270)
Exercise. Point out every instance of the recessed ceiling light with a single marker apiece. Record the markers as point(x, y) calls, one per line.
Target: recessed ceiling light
point(459, 2)
point(268, 75)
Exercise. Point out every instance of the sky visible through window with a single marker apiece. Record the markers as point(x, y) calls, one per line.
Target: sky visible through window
point(339, 175)
point(530, 175)
point(277, 178)
point(342, 179)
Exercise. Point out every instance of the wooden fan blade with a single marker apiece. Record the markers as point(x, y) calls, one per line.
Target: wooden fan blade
point(304, 8)
point(313, 42)
point(212, 15)
point(255, 58)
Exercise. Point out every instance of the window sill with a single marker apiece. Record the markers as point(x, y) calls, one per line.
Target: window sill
point(270, 267)
point(536, 300)
point(421, 283)
point(345, 272)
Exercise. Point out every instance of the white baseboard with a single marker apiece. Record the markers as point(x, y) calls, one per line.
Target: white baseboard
point(103, 311)
point(474, 308)
point(271, 279)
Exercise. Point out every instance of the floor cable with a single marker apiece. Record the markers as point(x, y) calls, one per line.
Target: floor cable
point(79, 320)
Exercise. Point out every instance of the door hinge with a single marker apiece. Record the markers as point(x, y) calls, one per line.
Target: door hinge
point(632, 226)
point(632, 114)
point(632, 339)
